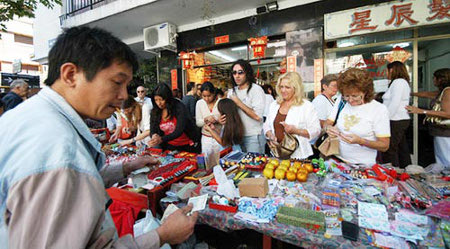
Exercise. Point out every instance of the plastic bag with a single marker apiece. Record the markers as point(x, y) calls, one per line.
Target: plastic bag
point(146, 225)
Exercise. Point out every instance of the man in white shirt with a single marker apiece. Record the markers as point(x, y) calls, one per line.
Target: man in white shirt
point(324, 102)
point(250, 100)
point(142, 98)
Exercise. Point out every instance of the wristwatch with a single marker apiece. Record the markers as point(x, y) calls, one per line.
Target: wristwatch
point(425, 112)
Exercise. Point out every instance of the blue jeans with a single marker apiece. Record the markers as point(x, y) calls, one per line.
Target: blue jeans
point(253, 144)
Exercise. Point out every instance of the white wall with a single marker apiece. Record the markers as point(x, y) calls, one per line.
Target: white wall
point(10, 50)
point(46, 29)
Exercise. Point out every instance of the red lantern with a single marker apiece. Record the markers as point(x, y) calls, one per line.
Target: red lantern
point(259, 45)
point(188, 59)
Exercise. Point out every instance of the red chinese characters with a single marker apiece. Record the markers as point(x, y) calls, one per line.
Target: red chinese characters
point(361, 21)
point(401, 13)
point(439, 10)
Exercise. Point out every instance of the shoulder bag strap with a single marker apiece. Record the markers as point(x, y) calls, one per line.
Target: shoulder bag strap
point(341, 106)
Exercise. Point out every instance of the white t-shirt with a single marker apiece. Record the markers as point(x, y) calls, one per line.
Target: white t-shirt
point(323, 106)
point(368, 121)
point(147, 101)
point(202, 111)
point(255, 100)
point(396, 98)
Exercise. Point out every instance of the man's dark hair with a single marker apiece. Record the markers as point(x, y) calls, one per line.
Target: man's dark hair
point(91, 49)
point(189, 86)
point(248, 73)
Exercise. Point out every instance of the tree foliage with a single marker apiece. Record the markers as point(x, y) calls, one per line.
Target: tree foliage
point(146, 76)
point(21, 8)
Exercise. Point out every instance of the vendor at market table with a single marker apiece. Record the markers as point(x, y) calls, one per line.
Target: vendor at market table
point(52, 169)
point(171, 126)
point(363, 124)
point(292, 114)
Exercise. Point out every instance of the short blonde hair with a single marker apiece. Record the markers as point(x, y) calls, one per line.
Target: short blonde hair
point(294, 80)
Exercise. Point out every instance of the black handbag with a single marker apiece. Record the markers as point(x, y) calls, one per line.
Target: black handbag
point(322, 137)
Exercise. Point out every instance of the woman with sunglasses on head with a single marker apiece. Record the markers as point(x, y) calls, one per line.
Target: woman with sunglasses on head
point(363, 123)
point(292, 113)
point(438, 117)
point(171, 126)
point(250, 99)
point(395, 99)
point(206, 113)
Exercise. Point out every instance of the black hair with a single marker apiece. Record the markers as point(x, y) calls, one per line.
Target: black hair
point(162, 90)
point(189, 86)
point(443, 77)
point(208, 86)
point(219, 92)
point(399, 71)
point(91, 49)
point(248, 73)
point(266, 88)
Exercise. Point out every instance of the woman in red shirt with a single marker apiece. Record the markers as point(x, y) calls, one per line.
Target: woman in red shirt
point(170, 124)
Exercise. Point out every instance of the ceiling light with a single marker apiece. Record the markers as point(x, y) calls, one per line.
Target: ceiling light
point(272, 6)
point(221, 55)
point(401, 44)
point(346, 44)
point(239, 48)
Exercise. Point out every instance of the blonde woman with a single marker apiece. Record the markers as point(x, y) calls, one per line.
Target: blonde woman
point(292, 113)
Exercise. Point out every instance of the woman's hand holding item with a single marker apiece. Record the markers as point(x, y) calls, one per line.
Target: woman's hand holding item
point(333, 131)
point(291, 129)
point(271, 139)
point(351, 139)
point(154, 141)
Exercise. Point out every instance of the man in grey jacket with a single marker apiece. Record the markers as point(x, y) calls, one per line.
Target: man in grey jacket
point(52, 170)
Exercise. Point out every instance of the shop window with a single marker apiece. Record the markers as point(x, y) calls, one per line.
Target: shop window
point(373, 59)
point(374, 38)
point(23, 39)
point(434, 30)
point(433, 55)
point(226, 54)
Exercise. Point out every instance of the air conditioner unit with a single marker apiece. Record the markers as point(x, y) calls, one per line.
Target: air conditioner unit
point(160, 37)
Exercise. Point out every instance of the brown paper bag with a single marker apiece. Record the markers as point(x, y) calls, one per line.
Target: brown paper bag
point(330, 146)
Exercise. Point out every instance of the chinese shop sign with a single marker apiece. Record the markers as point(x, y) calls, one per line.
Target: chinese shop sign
point(386, 16)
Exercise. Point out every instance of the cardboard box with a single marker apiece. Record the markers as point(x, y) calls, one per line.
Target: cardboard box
point(254, 187)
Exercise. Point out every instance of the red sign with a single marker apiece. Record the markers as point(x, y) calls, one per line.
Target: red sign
point(318, 75)
point(361, 21)
point(291, 63)
point(401, 13)
point(174, 78)
point(441, 11)
point(222, 39)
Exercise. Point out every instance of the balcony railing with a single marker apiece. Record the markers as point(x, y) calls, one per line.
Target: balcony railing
point(72, 7)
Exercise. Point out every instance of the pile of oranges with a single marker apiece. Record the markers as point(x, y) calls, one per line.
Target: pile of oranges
point(288, 170)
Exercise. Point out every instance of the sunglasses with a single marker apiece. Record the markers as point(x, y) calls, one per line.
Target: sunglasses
point(240, 72)
point(141, 91)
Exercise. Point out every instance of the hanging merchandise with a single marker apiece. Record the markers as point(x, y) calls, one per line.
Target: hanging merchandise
point(258, 45)
point(187, 59)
